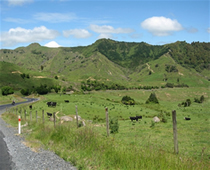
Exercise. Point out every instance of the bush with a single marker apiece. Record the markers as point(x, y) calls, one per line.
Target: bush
point(25, 92)
point(127, 100)
point(170, 85)
point(113, 125)
point(202, 99)
point(7, 90)
point(152, 99)
point(187, 103)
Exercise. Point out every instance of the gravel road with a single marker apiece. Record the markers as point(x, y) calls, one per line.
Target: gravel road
point(22, 157)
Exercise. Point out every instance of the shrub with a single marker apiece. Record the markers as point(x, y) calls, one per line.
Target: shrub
point(202, 99)
point(187, 103)
point(152, 99)
point(25, 92)
point(170, 85)
point(56, 77)
point(127, 100)
point(164, 119)
point(113, 125)
point(7, 90)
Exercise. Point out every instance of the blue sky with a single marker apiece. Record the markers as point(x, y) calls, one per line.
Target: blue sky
point(72, 23)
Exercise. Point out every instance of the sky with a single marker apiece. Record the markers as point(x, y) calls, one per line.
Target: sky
point(71, 23)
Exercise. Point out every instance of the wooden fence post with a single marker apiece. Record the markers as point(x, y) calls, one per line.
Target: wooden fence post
point(43, 116)
point(107, 121)
point(176, 150)
point(25, 114)
point(77, 117)
point(36, 117)
point(30, 116)
point(54, 118)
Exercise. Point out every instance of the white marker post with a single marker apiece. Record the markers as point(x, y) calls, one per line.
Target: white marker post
point(19, 125)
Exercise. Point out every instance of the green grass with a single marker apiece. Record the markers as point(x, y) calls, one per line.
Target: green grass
point(137, 145)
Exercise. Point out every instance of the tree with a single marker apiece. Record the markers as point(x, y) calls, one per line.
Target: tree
point(25, 92)
point(56, 77)
point(152, 99)
point(127, 100)
point(202, 99)
point(7, 90)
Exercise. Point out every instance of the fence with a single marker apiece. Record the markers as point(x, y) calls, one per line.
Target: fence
point(107, 122)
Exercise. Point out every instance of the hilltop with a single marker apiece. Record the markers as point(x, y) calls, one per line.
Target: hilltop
point(106, 60)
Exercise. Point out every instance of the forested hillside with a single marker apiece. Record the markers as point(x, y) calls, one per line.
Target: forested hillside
point(195, 55)
point(124, 63)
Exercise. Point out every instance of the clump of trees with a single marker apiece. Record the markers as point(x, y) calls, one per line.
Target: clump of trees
point(170, 68)
point(152, 99)
point(127, 100)
point(25, 76)
point(6, 90)
point(186, 103)
point(95, 85)
point(201, 100)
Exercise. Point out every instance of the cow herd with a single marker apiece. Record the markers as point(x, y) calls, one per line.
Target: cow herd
point(53, 104)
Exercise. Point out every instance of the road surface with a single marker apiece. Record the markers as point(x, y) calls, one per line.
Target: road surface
point(5, 158)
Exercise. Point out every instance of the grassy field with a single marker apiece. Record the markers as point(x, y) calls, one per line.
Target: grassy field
point(138, 145)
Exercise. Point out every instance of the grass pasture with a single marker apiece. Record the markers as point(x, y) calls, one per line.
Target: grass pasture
point(138, 145)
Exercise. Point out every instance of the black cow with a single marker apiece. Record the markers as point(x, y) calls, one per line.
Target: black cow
point(66, 101)
point(30, 106)
point(51, 104)
point(187, 118)
point(49, 114)
point(134, 118)
point(139, 117)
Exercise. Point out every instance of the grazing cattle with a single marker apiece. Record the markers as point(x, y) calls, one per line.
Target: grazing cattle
point(54, 104)
point(49, 114)
point(51, 104)
point(187, 118)
point(139, 117)
point(30, 106)
point(134, 118)
point(66, 101)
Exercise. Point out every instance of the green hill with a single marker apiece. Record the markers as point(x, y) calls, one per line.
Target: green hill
point(125, 63)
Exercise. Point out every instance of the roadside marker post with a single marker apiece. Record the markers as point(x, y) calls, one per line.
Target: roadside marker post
point(19, 125)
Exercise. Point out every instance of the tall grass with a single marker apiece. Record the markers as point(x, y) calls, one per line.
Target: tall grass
point(86, 148)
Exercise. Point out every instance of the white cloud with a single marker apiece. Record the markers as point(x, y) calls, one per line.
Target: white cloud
point(52, 44)
point(192, 30)
point(77, 33)
point(106, 29)
point(17, 20)
point(208, 30)
point(105, 36)
point(161, 26)
point(21, 35)
point(19, 2)
point(55, 17)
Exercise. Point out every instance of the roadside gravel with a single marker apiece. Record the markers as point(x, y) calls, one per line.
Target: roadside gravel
point(23, 158)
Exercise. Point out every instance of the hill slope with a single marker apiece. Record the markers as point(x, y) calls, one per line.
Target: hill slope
point(121, 62)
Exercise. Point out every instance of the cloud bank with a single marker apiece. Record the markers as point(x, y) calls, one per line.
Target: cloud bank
point(77, 33)
point(55, 17)
point(18, 2)
point(21, 35)
point(161, 26)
